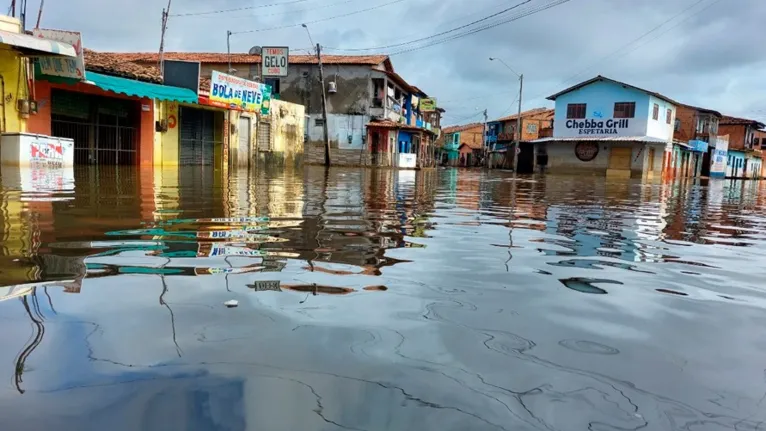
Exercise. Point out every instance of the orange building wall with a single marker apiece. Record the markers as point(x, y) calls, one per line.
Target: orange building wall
point(41, 122)
point(736, 134)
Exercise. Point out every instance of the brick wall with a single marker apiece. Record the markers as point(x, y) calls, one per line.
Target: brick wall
point(688, 129)
point(736, 134)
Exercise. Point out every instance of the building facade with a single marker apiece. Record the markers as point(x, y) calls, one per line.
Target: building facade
point(694, 141)
point(745, 153)
point(607, 127)
point(364, 95)
point(501, 133)
point(461, 145)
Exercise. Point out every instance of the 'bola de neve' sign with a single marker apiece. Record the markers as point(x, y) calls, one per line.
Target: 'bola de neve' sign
point(598, 127)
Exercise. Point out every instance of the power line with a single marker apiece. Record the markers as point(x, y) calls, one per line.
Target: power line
point(319, 20)
point(239, 8)
point(438, 34)
point(485, 27)
point(637, 39)
point(261, 15)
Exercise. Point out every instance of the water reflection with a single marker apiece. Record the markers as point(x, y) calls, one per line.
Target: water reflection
point(448, 299)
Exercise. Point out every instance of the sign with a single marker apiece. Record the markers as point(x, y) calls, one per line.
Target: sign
point(719, 157)
point(183, 74)
point(586, 151)
point(66, 67)
point(407, 160)
point(227, 250)
point(236, 93)
point(698, 146)
point(261, 286)
point(598, 127)
point(274, 61)
point(428, 104)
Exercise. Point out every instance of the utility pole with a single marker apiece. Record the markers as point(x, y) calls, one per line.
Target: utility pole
point(23, 15)
point(324, 109)
point(484, 140)
point(165, 14)
point(40, 13)
point(228, 50)
point(13, 8)
point(519, 124)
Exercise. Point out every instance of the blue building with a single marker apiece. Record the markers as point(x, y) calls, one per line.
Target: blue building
point(608, 127)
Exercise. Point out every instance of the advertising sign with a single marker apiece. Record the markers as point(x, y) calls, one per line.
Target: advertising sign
point(427, 105)
point(274, 60)
point(66, 67)
point(237, 93)
point(698, 146)
point(719, 157)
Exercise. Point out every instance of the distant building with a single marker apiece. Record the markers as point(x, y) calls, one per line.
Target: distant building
point(694, 138)
point(607, 127)
point(462, 145)
point(745, 158)
point(535, 124)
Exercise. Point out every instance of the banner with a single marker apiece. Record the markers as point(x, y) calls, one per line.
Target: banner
point(718, 160)
point(427, 105)
point(238, 93)
point(62, 66)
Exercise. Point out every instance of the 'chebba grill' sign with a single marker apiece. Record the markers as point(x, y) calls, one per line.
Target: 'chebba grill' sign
point(597, 126)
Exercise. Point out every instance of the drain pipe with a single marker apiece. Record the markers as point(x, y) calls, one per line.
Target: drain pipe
point(2, 101)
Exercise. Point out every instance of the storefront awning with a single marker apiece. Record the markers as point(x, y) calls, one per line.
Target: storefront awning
point(131, 87)
point(35, 46)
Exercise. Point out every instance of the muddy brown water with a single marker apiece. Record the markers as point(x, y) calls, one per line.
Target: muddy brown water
point(380, 300)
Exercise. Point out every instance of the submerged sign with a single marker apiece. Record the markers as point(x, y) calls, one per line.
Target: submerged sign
point(237, 93)
point(598, 127)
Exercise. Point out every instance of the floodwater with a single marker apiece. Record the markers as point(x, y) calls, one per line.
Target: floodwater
point(379, 300)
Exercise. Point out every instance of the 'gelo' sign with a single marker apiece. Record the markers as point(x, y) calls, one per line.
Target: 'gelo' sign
point(274, 61)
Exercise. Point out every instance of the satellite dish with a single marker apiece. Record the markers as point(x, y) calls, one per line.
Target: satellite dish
point(256, 50)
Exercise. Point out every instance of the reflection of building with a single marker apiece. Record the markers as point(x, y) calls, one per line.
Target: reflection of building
point(604, 126)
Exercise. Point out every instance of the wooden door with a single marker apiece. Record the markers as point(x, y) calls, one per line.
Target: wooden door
point(619, 161)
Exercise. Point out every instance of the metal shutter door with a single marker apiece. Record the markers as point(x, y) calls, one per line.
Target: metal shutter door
point(264, 136)
point(190, 149)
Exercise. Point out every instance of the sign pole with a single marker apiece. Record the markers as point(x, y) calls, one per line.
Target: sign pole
point(324, 110)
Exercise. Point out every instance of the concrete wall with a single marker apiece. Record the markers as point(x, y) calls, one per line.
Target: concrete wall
point(562, 159)
point(288, 122)
point(660, 128)
point(11, 65)
point(353, 83)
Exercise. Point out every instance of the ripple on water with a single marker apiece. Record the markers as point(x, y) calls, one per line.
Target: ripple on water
point(585, 346)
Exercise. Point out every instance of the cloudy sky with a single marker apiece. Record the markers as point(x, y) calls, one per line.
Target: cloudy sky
point(710, 53)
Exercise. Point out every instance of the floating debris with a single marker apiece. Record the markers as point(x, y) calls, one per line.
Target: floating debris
point(231, 303)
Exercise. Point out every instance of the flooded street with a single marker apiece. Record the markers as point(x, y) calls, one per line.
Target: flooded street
point(381, 300)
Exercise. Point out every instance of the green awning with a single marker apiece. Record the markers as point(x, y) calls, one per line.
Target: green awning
point(131, 87)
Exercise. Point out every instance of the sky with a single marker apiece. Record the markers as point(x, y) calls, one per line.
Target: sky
point(709, 53)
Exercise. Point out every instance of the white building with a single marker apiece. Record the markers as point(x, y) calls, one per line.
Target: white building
point(603, 126)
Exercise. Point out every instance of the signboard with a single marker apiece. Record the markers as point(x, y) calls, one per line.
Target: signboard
point(719, 157)
point(236, 93)
point(615, 127)
point(66, 67)
point(407, 161)
point(274, 61)
point(585, 151)
point(698, 146)
point(428, 104)
point(183, 74)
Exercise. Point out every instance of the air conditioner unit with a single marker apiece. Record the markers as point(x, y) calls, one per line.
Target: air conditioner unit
point(332, 87)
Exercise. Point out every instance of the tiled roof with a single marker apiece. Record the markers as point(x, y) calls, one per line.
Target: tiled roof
point(238, 58)
point(388, 124)
point(536, 113)
point(705, 110)
point(453, 129)
point(604, 78)
point(728, 120)
point(109, 65)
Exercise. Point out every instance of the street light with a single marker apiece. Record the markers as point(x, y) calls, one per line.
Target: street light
point(309, 33)
point(518, 117)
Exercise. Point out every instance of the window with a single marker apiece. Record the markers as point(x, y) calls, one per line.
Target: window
point(531, 128)
point(656, 112)
point(678, 125)
point(700, 125)
point(668, 116)
point(714, 125)
point(318, 122)
point(576, 110)
point(625, 110)
point(274, 83)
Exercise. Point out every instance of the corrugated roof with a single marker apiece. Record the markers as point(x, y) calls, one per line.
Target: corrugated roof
point(648, 139)
point(604, 78)
point(239, 58)
point(109, 65)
